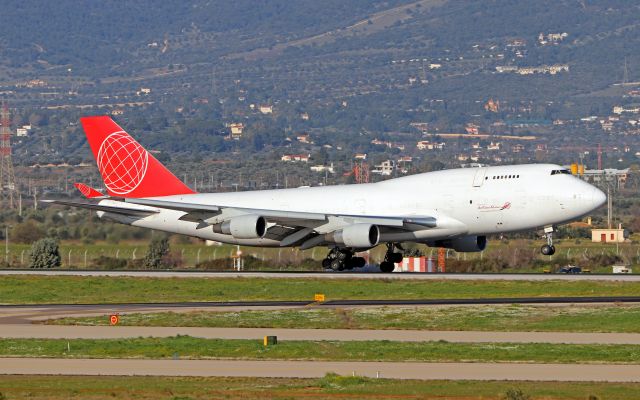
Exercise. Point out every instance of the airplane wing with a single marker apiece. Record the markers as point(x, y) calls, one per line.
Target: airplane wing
point(289, 227)
point(117, 209)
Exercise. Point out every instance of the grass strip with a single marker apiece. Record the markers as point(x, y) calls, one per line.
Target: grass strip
point(570, 318)
point(89, 290)
point(329, 387)
point(186, 347)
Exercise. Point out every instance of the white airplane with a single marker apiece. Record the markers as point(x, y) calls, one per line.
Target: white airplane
point(454, 209)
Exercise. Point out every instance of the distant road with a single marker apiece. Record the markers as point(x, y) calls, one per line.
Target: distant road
point(315, 369)
point(15, 331)
point(329, 275)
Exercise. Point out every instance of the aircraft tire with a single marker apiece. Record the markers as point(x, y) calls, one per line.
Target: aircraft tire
point(548, 250)
point(387, 267)
point(337, 265)
point(395, 257)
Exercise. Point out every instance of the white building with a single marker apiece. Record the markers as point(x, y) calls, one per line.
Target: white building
point(265, 109)
point(323, 168)
point(385, 169)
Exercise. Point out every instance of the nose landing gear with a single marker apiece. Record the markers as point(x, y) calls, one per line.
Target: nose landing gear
point(548, 249)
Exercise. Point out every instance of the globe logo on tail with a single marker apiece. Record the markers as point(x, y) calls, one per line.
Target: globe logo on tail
point(122, 163)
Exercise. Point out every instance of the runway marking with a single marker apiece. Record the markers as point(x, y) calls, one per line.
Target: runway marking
point(316, 369)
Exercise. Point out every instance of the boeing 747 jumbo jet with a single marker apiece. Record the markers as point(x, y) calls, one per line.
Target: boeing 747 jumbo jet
point(454, 209)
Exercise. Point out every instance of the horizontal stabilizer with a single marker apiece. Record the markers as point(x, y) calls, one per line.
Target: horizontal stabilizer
point(88, 191)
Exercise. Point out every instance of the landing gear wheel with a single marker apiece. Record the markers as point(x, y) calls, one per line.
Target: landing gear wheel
point(336, 265)
point(339, 259)
point(387, 267)
point(391, 258)
point(356, 262)
point(548, 250)
point(395, 257)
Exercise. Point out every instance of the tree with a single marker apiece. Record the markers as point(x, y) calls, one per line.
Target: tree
point(26, 232)
point(45, 254)
point(158, 250)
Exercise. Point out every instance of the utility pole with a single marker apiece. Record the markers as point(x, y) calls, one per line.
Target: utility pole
point(7, 177)
point(6, 244)
point(609, 206)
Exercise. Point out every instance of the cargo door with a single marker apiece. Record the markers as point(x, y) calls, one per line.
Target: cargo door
point(479, 176)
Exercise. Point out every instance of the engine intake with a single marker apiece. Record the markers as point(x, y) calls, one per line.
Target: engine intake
point(466, 244)
point(243, 227)
point(356, 235)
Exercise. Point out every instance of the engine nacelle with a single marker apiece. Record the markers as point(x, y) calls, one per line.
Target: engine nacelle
point(466, 244)
point(243, 227)
point(356, 235)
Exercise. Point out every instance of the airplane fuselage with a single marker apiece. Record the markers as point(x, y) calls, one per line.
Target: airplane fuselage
point(467, 201)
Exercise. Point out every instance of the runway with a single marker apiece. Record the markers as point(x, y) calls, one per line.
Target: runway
point(19, 313)
point(316, 369)
point(36, 331)
point(16, 321)
point(329, 275)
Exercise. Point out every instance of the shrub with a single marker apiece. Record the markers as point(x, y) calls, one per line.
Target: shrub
point(45, 254)
point(104, 262)
point(516, 394)
point(158, 250)
point(26, 232)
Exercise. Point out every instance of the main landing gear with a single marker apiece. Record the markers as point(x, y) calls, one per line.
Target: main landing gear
point(548, 249)
point(342, 259)
point(391, 258)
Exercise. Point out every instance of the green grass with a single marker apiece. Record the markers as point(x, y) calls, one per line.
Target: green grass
point(329, 387)
point(602, 318)
point(440, 351)
point(74, 289)
point(73, 252)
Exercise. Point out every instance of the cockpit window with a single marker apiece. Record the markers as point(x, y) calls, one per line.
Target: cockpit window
point(560, 171)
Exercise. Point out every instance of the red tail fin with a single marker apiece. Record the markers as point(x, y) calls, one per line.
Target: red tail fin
point(127, 169)
point(88, 191)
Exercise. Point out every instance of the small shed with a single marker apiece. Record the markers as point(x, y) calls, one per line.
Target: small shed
point(610, 235)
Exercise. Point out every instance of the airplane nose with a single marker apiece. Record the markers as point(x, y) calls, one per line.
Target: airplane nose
point(598, 197)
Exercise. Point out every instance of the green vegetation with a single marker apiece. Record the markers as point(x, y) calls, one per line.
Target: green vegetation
point(619, 318)
point(329, 387)
point(74, 289)
point(45, 253)
point(195, 348)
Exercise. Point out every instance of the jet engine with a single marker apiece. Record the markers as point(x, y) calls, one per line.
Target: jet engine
point(243, 227)
point(356, 236)
point(466, 244)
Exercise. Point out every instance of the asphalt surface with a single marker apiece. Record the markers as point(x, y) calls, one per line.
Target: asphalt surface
point(14, 313)
point(118, 332)
point(331, 275)
point(16, 321)
point(25, 314)
point(315, 369)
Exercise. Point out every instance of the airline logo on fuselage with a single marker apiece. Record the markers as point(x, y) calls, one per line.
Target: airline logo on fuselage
point(122, 162)
point(493, 207)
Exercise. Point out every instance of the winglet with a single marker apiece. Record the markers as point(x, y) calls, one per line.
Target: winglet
point(88, 191)
point(127, 169)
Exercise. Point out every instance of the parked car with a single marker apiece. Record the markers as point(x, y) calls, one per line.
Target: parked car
point(570, 269)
